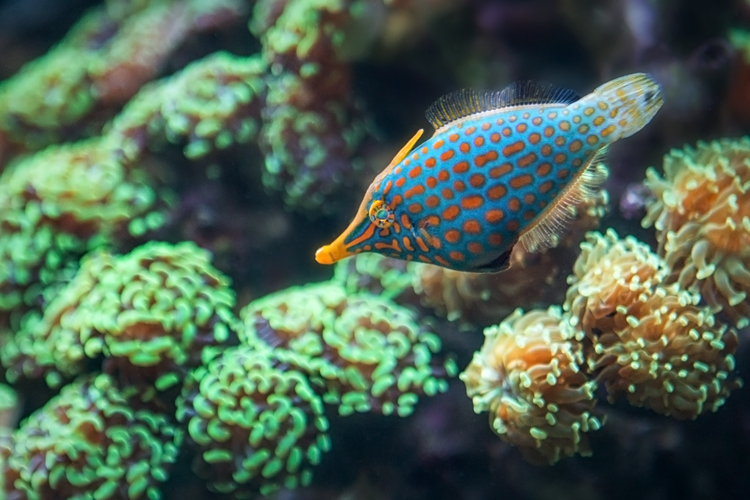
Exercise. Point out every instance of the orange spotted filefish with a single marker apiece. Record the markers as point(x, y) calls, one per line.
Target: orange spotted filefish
point(502, 168)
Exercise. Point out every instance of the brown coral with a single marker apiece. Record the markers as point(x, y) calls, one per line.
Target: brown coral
point(702, 217)
point(529, 376)
point(667, 354)
point(608, 274)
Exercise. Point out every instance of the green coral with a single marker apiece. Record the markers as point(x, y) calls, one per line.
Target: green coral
point(212, 104)
point(89, 443)
point(98, 66)
point(255, 425)
point(152, 313)
point(61, 202)
point(377, 275)
point(362, 352)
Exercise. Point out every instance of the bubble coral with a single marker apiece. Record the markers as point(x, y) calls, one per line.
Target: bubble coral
point(61, 202)
point(99, 65)
point(153, 314)
point(255, 425)
point(667, 354)
point(702, 216)
point(529, 374)
point(88, 442)
point(363, 352)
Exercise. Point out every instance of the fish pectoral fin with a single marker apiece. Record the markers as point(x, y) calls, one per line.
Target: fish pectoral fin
point(499, 264)
point(423, 229)
point(549, 227)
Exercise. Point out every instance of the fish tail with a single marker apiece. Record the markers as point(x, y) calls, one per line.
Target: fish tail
point(624, 105)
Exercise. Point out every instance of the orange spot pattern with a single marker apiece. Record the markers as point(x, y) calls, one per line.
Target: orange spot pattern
point(472, 226)
point(514, 148)
point(461, 167)
point(451, 213)
point(472, 202)
point(464, 147)
point(447, 155)
point(477, 180)
point(452, 236)
point(416, 190)
point(430, 162)
point(503, 169)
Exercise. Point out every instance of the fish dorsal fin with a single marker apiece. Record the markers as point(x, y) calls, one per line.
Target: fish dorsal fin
point(550, 225)
point(466, 102)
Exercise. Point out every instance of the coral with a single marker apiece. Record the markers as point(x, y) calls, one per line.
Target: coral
point(255, 425)
point(57, 204)
point(610, 273)
point(529, 374)
point(310, 123)
point(665, 353)
point(99, 65)
point(88, 442)
point(377, 275)
point(702, 216)
point(363, 352)
point(9, 407)
point(153, 314)
point(212, 104)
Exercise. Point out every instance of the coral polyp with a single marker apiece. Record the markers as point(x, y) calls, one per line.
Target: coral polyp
point(153, 314)
point(702, 216)
point(88, 442)
point(256, 427)
point(361, 352)
point(530, 376)
point(610, 273)
point(668, 354)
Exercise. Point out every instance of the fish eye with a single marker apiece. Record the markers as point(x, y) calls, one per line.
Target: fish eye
point(381, 214)
point(649, 95)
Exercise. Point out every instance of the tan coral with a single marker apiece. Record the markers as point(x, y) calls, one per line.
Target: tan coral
point(610, 272)
point(667, 354)
point(702, 217)
point(528, 375)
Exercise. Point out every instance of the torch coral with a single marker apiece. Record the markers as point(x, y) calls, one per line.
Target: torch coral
point(365, 353)
point(158, 308)
point(529, 376)
point(377, 275)
point(9, 407)
point(211, 104)
point(256, 426)
point(57, 204)
point(610, 273)
point(702, 217)
point(100, 64)
point(88, 442)
point(667, 354)
point(310, 127)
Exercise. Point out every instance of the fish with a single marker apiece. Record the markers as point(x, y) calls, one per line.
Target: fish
point(502, 168)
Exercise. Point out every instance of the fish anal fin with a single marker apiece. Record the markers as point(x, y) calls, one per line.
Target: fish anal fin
point(550, 225)
point(496, 265)
point(467, 102)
